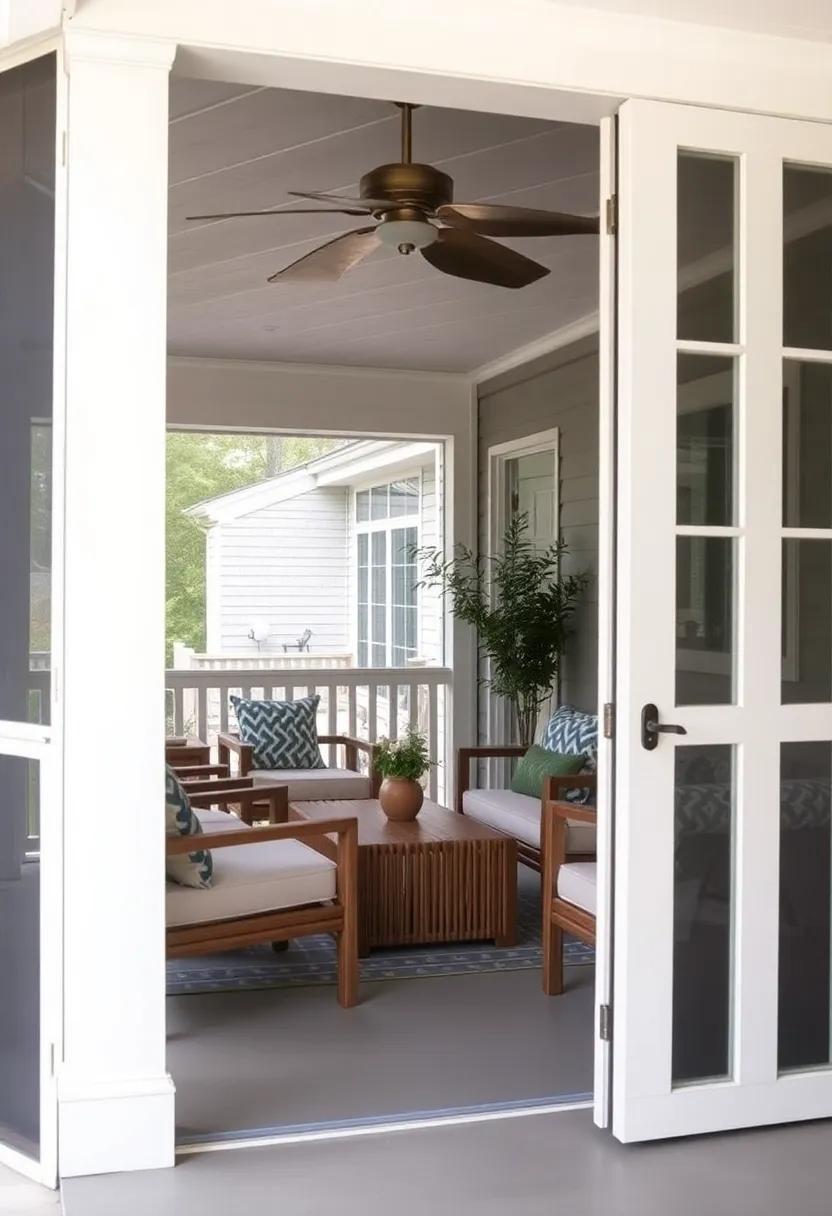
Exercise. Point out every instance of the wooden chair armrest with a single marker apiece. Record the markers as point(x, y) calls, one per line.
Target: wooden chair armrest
point(352, 746)
point(247, 797)
point(554, 788)
point(193, 788)
point(557, 809)
point(361, 745)
point(227, 743)
point(186, 772)
point(298, 829)
point(464, 756)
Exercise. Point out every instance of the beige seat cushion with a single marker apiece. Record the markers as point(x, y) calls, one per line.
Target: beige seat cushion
point(219, 821)
point(518, 815)
point(577, 884)
point(315, 784)
point(249, 878)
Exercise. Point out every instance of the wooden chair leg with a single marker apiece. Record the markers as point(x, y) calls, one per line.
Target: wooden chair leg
point(552, 957)
point(347, 939)
point(347, 947)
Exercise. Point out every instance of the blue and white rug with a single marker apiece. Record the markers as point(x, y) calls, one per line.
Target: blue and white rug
point(311, 960)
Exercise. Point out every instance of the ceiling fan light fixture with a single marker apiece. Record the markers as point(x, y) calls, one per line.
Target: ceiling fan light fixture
point(406, 235)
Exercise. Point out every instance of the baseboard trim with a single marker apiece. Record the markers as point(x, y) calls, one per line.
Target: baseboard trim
point(342, 1129)
point(106, 1126)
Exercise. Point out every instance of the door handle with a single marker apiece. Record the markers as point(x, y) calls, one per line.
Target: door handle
point(651, 727)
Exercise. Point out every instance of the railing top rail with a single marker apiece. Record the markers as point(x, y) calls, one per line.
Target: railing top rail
point(342, 677)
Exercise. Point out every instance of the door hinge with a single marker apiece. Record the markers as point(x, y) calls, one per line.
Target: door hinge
point(612, 215)
point(605, 1023)
point(63, 148)
point(609, 720)
point(51, 1059)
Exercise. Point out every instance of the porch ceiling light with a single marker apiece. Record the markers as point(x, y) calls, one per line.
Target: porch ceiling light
point(406, 235)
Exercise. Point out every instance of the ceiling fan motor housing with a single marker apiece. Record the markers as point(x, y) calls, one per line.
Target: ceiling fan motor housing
point(419, 186)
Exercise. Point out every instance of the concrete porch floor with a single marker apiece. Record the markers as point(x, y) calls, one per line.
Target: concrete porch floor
point(523, 1166)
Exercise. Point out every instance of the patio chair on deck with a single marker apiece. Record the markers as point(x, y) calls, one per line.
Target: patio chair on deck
point(269, 884)
point(308, 784)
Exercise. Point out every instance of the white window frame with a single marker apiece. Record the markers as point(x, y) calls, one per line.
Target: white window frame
point(387, 525)
point(498, 712)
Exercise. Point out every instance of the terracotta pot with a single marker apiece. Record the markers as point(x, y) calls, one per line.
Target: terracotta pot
point(401, 799)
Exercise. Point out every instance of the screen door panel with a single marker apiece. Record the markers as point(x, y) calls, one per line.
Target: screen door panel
point(723, 875)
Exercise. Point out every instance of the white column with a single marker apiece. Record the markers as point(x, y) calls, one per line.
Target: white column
point(115, 1096)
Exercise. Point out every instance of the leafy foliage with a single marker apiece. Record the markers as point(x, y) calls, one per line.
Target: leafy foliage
point(407, 757)
point(201, 466)
point(520, 604)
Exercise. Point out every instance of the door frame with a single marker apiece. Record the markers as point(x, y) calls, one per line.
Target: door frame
point(38, 742)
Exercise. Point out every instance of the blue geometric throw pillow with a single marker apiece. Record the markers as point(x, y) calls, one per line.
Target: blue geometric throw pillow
point(572, 732)
point(188, 869)
point(283, 734)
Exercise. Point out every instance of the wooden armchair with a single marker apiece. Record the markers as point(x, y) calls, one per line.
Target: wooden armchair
point(569, 890)
point(310, 784)
point(269, 802)
point(518, 815)
point(308, 896)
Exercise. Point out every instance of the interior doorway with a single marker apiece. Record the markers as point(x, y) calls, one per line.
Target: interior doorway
point(428, 1038)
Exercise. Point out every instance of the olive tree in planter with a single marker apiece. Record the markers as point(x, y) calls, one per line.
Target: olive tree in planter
point(521, 605)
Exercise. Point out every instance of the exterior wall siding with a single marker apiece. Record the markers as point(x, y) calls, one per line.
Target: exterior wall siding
point(286, 565)
point(559, 390)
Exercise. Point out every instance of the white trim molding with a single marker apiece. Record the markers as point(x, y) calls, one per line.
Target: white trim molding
point(116, 1124)
point(583, 327)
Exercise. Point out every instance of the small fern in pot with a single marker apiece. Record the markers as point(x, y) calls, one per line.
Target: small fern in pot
point(402, 764)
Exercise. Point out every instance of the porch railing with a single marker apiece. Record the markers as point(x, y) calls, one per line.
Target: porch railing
point(185, 658)
point(367, 702)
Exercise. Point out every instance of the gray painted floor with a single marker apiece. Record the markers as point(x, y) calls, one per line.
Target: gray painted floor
point(246, 1060)
point(522, 1167)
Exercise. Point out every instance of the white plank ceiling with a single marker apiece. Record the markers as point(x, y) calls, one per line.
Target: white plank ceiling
point(240, 148)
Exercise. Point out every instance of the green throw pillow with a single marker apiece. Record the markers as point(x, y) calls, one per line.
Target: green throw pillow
point(537, 765)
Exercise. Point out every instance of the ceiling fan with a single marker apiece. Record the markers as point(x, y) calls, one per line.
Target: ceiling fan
point(413, 207)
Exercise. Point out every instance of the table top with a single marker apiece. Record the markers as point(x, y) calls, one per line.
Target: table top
point(432, 824)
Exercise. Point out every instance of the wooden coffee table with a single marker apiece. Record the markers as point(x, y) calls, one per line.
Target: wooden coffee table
point(442, 878)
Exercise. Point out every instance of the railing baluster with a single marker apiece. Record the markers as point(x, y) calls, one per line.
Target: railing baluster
point(352, 723)
point(433, 750)
point(179, 711)
point(372, 691)
point(223, 694)
point(393, 697)
point(332, 728)
point(202, 713)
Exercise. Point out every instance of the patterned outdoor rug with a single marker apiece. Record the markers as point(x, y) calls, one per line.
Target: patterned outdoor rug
point(311, 960)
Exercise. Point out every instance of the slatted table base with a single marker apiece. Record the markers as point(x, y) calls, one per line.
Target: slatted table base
point(442, 891)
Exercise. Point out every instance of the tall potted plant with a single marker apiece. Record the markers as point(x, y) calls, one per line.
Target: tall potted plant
point(521, 605)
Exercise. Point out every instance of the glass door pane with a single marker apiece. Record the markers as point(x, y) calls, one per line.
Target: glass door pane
point(27, 223)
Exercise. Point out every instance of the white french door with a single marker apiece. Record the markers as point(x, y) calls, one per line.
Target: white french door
point(31, 509)
point(722, 973)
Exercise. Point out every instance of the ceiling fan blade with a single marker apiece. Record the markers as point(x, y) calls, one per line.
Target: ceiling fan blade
point(367, 204)
point(472, 257)
point(328, 262)
point(489, 219)
point(234, 215)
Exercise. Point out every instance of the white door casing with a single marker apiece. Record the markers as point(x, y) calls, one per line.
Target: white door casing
point(646, 1103)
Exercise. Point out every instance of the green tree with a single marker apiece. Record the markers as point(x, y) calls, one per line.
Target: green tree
point(201, 466)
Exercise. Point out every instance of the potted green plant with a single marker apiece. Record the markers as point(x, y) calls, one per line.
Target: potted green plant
point(402, 764)
point(521, 604)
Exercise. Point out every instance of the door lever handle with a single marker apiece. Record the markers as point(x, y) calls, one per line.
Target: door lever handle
point(651, 727)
